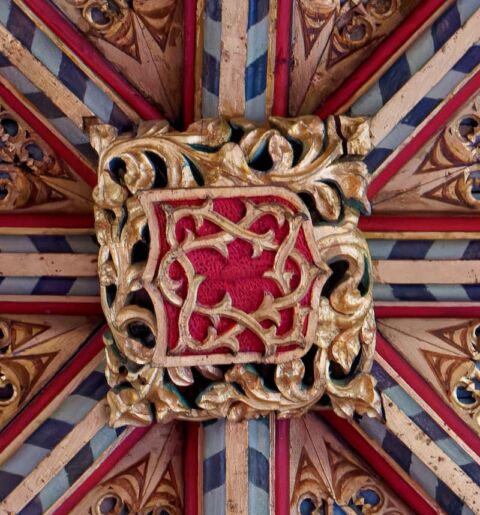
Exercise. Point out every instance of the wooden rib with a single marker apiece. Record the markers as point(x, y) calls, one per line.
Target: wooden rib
point(408, 235)
point(425, 122)
point(233, 59)
point(37, 421)
point(101, 468)
point(236, 480)
point(271, 56)
point(335, 105)
point(17, 231)
point(382, 462)
point(58, 457)
point(47, 125)
point(426, 271)
point(39, 75)
point(431, 455)
point(117, 99)
point(431, 309)
point(50, 265)
point(424, 80)
point(422, 402)
point(67, 299)
point(199, 37)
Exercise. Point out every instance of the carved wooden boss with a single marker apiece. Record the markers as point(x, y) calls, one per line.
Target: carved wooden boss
point(233, 277)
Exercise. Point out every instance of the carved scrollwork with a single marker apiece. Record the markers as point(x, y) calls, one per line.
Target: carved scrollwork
point(26, 164)
point(297, 192)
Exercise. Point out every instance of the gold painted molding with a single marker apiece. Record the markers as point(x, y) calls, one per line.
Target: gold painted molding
point(164, 198)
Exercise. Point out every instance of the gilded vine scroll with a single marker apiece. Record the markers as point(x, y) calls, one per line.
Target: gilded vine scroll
point(233, 276)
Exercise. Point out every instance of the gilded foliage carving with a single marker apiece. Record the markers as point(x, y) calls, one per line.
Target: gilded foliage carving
point(298, 191)
point(26, 165)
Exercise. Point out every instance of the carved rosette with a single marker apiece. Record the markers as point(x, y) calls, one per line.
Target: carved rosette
point(233, 277)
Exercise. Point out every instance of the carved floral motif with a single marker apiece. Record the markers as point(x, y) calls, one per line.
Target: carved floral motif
point(26, 165)
point(305, 159)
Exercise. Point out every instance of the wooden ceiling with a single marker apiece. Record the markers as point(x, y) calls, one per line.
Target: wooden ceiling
point(413, 67)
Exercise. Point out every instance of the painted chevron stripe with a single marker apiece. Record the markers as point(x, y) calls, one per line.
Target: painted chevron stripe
point(82, 244)
point(427, 292)
point(81, 286)
point(47, 109)
point(214, 467)
point(423, 108)
point(405, 458)
point(69, 74)
point(416, 56)
point(72, 471)
point(212, 33)
point(258, 466)
point(49, 434)
point(425, 249)
point(257, 59)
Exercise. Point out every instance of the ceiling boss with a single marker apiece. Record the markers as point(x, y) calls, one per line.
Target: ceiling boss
point(233, 277)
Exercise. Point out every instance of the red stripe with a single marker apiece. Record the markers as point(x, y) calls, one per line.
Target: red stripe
point(191, 476)
point(47, 221)
point(51, 308)
point(99, 473)
point(79, 166)
point(424, 390)
point(189, 27)
point(52, 389)
point(398, 310)
point(381, 55)
point(424, 135)
point(282, 466)
point(282, 58)
point(417, 502)
point(419, 224)
point(79, 45)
